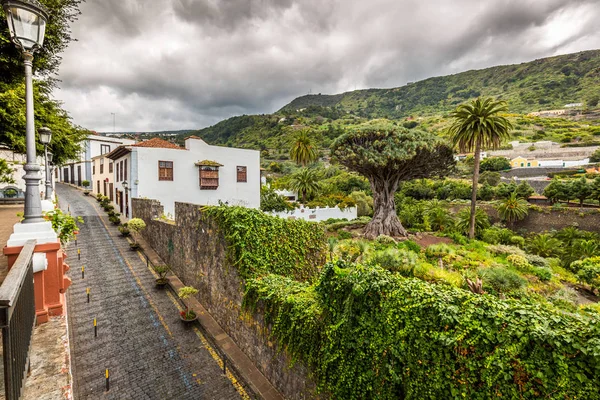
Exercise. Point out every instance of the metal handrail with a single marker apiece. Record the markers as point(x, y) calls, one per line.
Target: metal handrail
point(17, 319)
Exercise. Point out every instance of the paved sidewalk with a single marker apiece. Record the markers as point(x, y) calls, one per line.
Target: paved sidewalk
point(149, 352)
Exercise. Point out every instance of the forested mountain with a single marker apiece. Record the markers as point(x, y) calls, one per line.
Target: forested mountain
point(543, 84)
point(537, 85)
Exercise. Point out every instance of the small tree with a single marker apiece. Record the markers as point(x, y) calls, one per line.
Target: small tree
point(6, 172)
point(556, 191)
point(596, 189)
point(494, 164)
point(525, 190)
point(303, 151)
point(478, 125)
point(580, 190)
point(513, 209)
point(136, 225)
point(184, 293)
point(386, 155)
point(305, 182)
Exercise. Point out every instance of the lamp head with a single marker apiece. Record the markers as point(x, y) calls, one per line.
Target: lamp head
point(45, 135)
point(26, 23)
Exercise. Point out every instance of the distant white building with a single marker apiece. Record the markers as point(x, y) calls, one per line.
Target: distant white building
point(77, 171)
point(199, 174)
point(16, 162)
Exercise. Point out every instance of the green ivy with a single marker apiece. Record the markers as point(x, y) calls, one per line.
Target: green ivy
point(259, 243)
point(370, 334)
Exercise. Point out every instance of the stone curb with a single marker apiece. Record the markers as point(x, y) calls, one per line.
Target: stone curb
point(242, 364)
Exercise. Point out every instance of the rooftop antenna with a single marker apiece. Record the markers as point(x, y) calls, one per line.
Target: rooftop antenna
point(114, 119)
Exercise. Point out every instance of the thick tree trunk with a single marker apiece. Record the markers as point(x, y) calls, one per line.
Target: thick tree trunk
point(474, 190)
point(385, 221)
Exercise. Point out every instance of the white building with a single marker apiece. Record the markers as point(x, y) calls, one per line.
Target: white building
point(16, 162)
point(199, 174)
point(77, 171)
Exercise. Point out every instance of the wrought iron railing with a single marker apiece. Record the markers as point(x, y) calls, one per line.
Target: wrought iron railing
point(17, 319)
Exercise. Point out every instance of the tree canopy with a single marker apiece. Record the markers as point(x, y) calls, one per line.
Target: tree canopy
point(478, 125)
point(66, 137)
point(386, 155)
point(303, 151)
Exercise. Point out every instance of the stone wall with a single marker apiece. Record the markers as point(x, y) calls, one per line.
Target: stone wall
point(196, 252)
point(548, 219)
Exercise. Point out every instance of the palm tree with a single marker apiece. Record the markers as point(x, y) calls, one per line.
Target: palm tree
point(303, 152)
point(305, 181)
point(513, 209)
point(478, 125)
point(544, 245)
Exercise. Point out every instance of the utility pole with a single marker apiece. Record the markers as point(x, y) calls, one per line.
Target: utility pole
point(114, 119)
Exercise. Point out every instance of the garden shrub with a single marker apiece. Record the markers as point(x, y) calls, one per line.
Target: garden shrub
point(395, 260)
point(501, 280)
point(517, 261)
point(259, 243)
point(507, 250)
point(410, 245)
point(517, 241)
point(543, 274)
point(370, 334)
point(438, 250)
point(344, 235)
point(537, 261)
point(385, 239)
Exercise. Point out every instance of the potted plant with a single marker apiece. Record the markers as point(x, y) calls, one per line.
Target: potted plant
point(188, 315)
point(124, 230)
point(135, 225)
point(162, 271)
point(86, 185)
point(115, 218)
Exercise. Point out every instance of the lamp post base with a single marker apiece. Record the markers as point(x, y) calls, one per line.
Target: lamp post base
point(42, 232)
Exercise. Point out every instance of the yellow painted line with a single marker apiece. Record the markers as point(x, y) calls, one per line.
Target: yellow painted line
point(238, 387)
point(137, 279)
point(236, 384)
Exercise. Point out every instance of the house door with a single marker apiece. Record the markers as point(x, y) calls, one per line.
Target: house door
point(66, 175)
point(110, 191)
point(72, 174)
point(104, 182)
point(126, 204)
point(79, 175)
point(120, 201)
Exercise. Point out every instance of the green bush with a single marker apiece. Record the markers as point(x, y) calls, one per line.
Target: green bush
point(410, 245)
point(544, 274)
point(501, 280)
point(506, 250)
point(369, 334)
point(439, 250)
point(518, 262)
point(537, 261)
point(344, 235)
point(395, 260)
point(260, 243)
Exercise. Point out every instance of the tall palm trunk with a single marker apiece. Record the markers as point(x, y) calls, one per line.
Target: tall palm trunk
point(474, 190)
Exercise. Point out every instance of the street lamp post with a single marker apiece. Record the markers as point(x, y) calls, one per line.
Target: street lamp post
point(27, 25)
point(45, 138)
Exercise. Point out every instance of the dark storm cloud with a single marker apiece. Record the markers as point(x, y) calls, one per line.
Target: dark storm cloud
point(174, 64)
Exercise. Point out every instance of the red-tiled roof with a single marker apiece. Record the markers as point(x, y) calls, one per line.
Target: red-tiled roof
point(157, 143)
point(193, 137)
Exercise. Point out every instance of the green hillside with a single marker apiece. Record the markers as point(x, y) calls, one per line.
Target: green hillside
point(537, 85)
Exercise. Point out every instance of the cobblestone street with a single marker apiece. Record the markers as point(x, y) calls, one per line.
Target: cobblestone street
point(149, 352)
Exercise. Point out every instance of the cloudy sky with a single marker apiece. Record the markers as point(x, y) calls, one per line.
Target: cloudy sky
point(187, 64)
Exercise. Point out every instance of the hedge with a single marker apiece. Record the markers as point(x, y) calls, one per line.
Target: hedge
point(370, 334)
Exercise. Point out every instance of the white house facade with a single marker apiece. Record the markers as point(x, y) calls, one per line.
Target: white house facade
point(16, 162)
point(197, 173)
point(77, 171)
